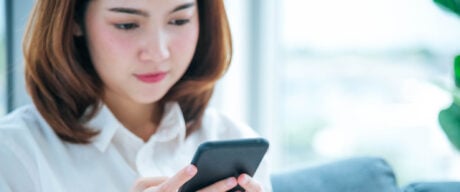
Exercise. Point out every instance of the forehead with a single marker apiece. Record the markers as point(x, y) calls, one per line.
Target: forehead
point(149, 3)
point(147, 8)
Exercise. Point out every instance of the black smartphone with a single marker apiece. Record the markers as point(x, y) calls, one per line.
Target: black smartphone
point(218, 160)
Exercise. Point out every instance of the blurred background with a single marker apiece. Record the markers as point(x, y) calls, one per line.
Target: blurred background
point(3, 58)
point(323, 80)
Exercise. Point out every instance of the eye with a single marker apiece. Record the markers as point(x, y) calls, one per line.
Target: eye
point(179, 22)
point(126, 26)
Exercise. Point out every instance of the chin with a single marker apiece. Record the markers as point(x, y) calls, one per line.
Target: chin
point(148, 99)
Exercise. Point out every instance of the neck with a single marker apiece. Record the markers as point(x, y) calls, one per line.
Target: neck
point(140, 119)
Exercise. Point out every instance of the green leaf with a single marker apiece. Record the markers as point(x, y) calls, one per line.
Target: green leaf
point(449, 119)
point(451, 5)
point(457, 71)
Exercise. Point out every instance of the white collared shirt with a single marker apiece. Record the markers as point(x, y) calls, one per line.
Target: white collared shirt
point(34, 159)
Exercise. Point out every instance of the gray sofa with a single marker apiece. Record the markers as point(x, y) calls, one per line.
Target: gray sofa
point(367, 174)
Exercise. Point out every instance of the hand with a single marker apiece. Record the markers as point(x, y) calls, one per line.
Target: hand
point(164, 184)
point(249, 184)
point(244, 180)
point(223, 185)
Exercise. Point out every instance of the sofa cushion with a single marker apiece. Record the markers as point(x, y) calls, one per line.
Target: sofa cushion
point(353, 175)
point(433, 187)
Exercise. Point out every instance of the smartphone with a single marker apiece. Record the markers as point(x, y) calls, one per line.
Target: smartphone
point(218, 160)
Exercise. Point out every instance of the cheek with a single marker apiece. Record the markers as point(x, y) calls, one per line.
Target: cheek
point(184, 44)
point(110, 52)
point(110, 43)
point(105, 41)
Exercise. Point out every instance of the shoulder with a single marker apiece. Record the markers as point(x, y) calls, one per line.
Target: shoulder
point(222, 125)
point(18, 120)
point(17, 149)
point(21, 127)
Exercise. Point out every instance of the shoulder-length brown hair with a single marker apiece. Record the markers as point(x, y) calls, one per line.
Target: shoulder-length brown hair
point(66, 89)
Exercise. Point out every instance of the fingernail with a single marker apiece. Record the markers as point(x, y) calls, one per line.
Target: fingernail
point(231, 182)
point(244, 179)
point(191, 170)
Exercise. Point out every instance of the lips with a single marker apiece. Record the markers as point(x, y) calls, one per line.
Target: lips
point(151, 77)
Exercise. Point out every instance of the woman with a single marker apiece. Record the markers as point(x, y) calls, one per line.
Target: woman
point(120, 90)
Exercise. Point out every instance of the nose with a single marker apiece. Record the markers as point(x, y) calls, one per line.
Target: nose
point(155, 47)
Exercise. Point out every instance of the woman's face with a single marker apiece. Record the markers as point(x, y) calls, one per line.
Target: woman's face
point(140, 48)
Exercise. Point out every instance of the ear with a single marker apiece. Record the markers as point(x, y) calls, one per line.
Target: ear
point(76, 29)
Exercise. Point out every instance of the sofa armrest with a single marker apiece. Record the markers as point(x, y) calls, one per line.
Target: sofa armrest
point(353, 175)
point(433, 187)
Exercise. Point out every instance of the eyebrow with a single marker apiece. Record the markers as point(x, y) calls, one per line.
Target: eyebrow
point(134, 11)
point(182, 7)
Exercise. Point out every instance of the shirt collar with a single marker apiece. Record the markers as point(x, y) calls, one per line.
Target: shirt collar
point(107, 124)
point(172, 125)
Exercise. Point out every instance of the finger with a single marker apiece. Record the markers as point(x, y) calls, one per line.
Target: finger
point(175, 182)
point(146, 182)
point(223, 185)
point(248, 183)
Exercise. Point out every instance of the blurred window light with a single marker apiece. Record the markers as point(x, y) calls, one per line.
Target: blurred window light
point(357, 79)
point(378, 24)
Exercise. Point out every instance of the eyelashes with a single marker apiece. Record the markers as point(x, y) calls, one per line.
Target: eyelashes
point(179, 22)
point(132, 26)
point(126, 26)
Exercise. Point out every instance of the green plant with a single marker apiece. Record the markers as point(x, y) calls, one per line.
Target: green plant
point(449, 118)
point(451, 5)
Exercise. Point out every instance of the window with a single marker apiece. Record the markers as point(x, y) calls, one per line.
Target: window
point(327, 80)
point(361, 78)
point(2, 58)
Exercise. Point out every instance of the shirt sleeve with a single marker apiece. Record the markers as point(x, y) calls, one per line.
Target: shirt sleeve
point(13, 174)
